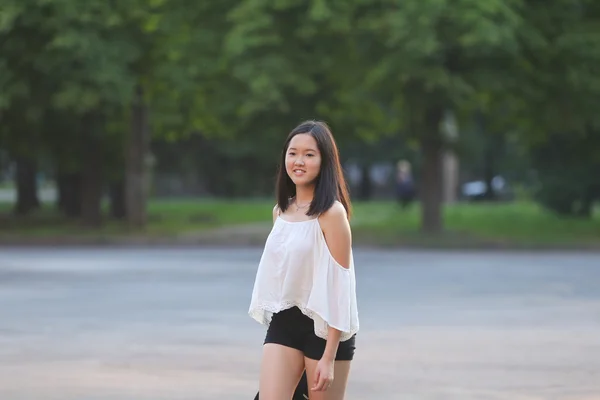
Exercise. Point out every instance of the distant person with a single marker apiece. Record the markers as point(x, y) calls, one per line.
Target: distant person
point(405, 185)
point(305, 287)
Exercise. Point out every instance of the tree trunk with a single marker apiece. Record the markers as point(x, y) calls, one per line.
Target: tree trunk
point(92, 183)
point(489, 170)
point(69, 194)
point(431, 176)
point(136, 169)
point(117, 200)
point(27, 196)
point(366, 187)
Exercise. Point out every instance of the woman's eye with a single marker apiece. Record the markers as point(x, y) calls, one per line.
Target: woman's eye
point(291, 153)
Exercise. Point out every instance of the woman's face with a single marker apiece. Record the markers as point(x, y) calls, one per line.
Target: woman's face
point(302, 159)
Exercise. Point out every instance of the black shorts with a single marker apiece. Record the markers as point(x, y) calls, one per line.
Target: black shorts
point(293, 329)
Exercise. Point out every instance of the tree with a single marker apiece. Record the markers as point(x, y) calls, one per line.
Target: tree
point(23, 97)
point(294, 61)
point(86, 76)
point(431, 57)
point(563, 65)
point(177, 72)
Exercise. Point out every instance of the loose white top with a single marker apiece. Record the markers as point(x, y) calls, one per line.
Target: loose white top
point(297, 269)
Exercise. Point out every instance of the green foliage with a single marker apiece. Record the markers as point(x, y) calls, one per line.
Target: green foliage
point(567, 166)
point(242, 73)
point(365, 64)
point(425, 41)
point(554, 88)
point(293, 59)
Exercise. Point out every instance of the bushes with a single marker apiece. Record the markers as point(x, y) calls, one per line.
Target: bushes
point(568, 167)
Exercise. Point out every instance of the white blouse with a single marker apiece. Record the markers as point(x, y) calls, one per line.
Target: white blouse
point(297, 269)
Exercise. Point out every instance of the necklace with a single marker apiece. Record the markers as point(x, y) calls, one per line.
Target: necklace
point(300, 207)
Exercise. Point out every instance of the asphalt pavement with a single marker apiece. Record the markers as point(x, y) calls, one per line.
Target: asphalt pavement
point(169, 324)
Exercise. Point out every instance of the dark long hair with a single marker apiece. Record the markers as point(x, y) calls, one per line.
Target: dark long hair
point(330, 184)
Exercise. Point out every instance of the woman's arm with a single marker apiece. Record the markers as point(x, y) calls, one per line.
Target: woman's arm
point(333, 342)
point(336, 229)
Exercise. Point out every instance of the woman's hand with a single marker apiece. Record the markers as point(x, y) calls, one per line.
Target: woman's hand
point(323, 375)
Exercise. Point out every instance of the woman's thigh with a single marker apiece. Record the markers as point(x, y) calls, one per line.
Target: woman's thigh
point(280, 371)
point(337, 391)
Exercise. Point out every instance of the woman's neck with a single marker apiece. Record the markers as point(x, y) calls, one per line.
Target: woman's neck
point(304, 194)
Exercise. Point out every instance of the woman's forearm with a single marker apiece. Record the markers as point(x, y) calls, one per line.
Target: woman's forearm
point(333, 341)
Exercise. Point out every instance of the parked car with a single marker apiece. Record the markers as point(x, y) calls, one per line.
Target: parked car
point(476, 190)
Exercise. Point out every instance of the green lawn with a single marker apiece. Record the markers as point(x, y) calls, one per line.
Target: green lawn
point(515, 224)
point(377, 223)
point(166, 218)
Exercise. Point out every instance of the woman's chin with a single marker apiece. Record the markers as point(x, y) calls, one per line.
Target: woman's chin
point(301, 181)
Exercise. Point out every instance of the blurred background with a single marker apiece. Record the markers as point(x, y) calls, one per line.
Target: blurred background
point(470, 122)
point(462, 124)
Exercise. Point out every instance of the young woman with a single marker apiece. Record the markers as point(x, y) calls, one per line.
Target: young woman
point(305, 287)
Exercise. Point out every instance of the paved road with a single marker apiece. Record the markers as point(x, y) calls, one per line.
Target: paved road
point(171, 324)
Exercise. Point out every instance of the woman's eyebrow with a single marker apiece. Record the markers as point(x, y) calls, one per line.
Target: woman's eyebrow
point(309, 149)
